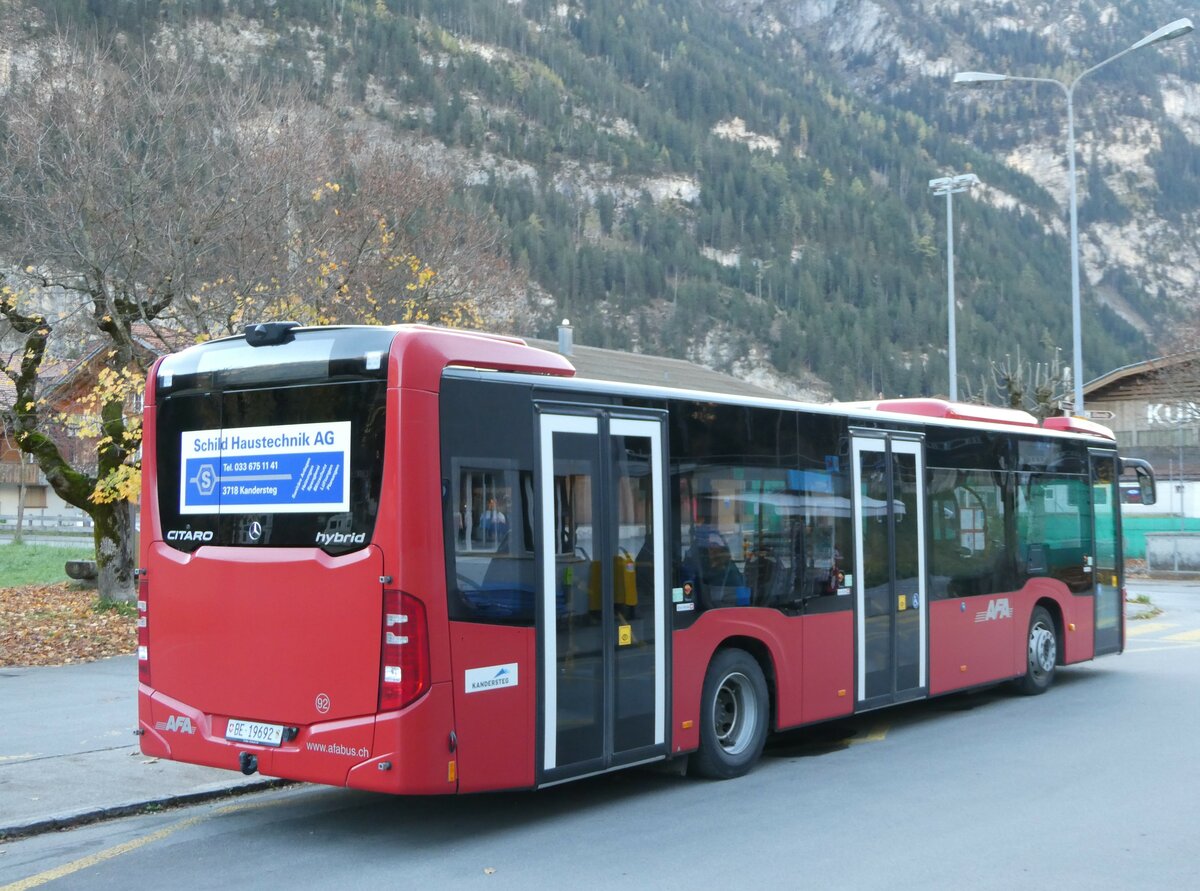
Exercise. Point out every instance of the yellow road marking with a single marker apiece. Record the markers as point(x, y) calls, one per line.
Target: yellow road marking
point(246, 806)
point(100, 856)
point(1185, 636)
point(1132, 630)
point(875, 735)
point(75, 866)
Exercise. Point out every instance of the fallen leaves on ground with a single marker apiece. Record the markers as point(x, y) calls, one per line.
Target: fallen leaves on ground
point(59, 625)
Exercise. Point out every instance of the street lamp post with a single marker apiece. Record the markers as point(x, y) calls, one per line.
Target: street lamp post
point(948, 186)
point(1177, 28)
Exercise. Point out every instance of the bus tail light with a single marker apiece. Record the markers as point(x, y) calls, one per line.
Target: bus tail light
point(143, 633)
point(404, 668)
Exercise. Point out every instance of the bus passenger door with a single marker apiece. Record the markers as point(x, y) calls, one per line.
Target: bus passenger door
point(602, 613)
point(890, 587)
point(1106, 562)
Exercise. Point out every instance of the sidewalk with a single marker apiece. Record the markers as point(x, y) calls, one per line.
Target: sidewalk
point(68, 753)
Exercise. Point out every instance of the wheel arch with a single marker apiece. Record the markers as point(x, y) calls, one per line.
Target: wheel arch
point(772, 641)
point(1052, 606)
point(760, 651)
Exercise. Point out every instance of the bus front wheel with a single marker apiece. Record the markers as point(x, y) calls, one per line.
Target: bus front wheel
point(1041, 654)
point(734, 714)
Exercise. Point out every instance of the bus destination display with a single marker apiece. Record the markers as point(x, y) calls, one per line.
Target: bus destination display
point(285, 468)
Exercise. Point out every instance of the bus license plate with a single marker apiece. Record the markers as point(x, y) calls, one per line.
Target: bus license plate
point(254, 732)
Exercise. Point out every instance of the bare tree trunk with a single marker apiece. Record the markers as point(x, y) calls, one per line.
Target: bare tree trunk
point(19, 534)
point(114, 534)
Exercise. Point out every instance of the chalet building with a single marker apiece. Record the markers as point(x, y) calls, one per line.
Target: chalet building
point(19, 476)
point(637, 368)
point(1155, 408)
point(63, 386)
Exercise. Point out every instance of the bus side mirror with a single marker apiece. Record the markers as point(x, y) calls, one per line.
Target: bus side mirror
point(1145, 491)
point(1146, 487)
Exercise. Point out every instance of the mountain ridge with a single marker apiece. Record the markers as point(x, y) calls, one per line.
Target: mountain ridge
point(727, 182)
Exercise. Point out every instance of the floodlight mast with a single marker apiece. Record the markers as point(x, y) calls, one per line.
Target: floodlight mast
point(1177, 28)
point(948, 186)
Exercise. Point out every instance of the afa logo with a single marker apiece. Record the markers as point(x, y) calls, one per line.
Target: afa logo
point(176, 724)
point(996, 609)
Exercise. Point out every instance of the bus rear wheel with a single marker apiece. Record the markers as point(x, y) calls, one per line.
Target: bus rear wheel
point(734, 714)
point(1041, 654)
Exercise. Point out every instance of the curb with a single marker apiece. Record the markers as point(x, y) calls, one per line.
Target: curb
point(74, 819)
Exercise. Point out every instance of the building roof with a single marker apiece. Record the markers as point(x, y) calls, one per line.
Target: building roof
point(56, 373)
point(51, 375)
point(1157, 365)
point(639, 368)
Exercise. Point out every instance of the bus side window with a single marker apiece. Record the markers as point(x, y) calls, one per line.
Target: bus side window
point(945, 550)
point(1054, 528)
point(968, 546)
point(485, 501)
point(494, 572)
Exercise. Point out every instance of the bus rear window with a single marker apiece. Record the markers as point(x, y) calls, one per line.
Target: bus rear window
point(292, 466)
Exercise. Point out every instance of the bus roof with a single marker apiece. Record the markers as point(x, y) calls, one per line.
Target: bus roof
point(422, 353)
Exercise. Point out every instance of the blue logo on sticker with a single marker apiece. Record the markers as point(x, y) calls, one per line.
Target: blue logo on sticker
point(205, 479)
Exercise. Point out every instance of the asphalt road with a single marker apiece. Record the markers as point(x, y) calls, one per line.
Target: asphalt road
point(1093, 785)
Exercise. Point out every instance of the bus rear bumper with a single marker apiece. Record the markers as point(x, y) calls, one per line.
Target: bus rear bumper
point(363, 753)
point(418, 747)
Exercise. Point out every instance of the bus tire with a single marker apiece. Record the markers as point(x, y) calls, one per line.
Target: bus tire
point(1041, 654)
point(734, 714)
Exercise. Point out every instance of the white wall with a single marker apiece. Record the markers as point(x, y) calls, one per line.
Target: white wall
point(55, 507)
point(1170, 500)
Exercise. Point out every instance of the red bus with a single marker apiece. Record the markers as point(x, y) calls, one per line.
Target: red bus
point(419, 561)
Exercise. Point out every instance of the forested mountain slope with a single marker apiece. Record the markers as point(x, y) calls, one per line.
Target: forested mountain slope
point(746, 184)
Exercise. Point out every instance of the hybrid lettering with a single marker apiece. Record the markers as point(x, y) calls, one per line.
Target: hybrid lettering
point(340, 538)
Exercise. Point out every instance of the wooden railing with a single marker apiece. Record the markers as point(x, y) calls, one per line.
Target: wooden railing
point(36, 521)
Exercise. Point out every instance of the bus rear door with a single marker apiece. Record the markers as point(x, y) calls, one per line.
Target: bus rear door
point(890, 587)
point(601, 617)
point(1106, 562)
